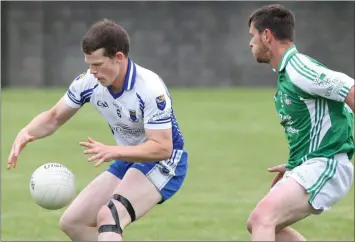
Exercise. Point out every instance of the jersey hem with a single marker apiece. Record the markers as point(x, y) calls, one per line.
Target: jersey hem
point(158, 126)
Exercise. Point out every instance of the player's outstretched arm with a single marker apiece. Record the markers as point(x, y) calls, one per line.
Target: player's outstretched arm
point(350, 98)
point(41, 126)
point(49, 121)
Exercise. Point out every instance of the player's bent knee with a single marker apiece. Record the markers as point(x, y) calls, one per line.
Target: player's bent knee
point(113, 218)
point(256, 219)
point(63, 224)
point(260, 217)
point(66, 224)
point(249, 227)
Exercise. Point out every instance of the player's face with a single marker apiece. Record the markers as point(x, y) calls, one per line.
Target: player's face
point(105, 69)
point(259, 47)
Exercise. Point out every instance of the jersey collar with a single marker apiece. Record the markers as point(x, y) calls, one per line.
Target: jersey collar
point(291, 51)
point(129, 80)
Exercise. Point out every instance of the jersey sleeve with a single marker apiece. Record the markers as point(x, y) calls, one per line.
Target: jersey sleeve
point(80, 90)
point(157, 109)
point(318, 80)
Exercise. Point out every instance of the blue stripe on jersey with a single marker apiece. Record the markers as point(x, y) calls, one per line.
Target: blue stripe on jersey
point(178, 140)
point(85, 96)
point(130, 77)
point(113, 132)
point(141, 104)
point(72, 98)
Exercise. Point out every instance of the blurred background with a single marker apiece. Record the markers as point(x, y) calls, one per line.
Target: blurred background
point(187, 43)
point(223, 101)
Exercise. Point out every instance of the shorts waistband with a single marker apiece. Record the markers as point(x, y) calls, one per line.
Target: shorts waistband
point(341, 157)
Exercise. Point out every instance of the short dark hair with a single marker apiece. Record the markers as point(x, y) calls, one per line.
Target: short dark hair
point(108, 35)
point(277, 18)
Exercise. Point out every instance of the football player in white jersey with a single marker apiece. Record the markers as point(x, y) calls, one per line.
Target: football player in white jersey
point(138, 108)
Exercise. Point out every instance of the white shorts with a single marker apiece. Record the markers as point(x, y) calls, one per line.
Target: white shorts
point(327, 180)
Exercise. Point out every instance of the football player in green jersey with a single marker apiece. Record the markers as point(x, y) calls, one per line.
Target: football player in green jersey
point(316, 108)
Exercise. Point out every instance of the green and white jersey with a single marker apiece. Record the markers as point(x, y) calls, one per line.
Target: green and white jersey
point(310, 102)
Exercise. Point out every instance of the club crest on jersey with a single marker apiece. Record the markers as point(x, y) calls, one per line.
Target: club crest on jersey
point(161, 102)
point(133, 115)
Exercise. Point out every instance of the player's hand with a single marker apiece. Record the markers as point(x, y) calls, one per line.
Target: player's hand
point(101, 152)
point(281, 169)
point(20, 142)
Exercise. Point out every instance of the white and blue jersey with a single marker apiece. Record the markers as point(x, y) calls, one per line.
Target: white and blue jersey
point(144, 103)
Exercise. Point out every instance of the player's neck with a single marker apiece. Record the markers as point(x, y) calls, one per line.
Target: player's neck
point(278, 53)
point(118, 84)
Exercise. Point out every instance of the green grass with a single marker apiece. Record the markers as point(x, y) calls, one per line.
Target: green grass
point(232, 137)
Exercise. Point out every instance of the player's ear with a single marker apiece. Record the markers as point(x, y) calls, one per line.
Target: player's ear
point(119, 56)
point(266, 36)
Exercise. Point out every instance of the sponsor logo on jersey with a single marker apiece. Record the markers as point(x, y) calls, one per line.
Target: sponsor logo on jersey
point(161, 102)
point(288, 102)
point(126, 131)
point(161, 115)
point(102, 104)
point(331, 84)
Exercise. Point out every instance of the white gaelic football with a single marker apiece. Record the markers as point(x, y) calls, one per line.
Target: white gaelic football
point(52, 186)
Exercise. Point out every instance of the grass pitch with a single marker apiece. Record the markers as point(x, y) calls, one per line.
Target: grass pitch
point(232, 137)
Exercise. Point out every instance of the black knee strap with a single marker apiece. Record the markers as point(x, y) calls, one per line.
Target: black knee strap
point(124, 201)
point(116, 228)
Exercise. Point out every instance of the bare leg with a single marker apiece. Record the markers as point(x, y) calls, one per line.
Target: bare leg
point(142, 195)
point(289, 234)
point(283, 206)
point(79, 220)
